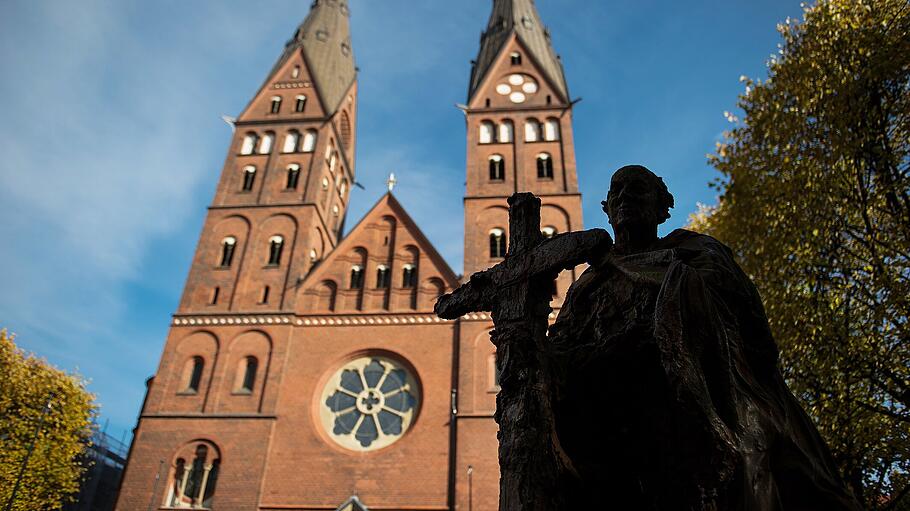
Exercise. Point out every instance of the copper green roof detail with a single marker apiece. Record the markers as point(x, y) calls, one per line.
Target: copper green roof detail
point(520, 17)
point(325, 39)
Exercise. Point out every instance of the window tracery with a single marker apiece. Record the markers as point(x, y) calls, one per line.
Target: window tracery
point(369, 403)
point(194, 477)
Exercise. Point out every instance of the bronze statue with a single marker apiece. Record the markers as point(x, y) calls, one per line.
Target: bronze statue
point(657, 388)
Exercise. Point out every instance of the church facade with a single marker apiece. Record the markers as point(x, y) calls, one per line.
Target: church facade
point(305, 370)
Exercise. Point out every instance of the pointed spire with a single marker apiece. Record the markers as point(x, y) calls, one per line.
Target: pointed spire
point(520, 17)
point(325, 38)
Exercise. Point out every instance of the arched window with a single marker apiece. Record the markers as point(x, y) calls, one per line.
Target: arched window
point(264, 299)
point(276, 244)
point(293, 176)
point(309, 141)
point(290, 141)
point(295, 72)
point(516, 58)
point(228, 245)
point(497, 243)
point(487, 132)
point(409, 276)
point(497, 168)
point(249, 178)
point(544, 166)
point(265, 146)
point(382, 277)
point(246, 375)
point(336, 215)
point(356, 277)
point(346, 131)
point(551, 130)
point(532, 130)
point(193, 483)
point(300, 104)
point(192, 374)
point(343, 188)
point(506, 131)
point(548, 232)
point(249, 143)
point(276, 104)
point(333, 161)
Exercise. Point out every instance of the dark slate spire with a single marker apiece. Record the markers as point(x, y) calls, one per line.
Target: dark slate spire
point(519, 16)
point(325, 38)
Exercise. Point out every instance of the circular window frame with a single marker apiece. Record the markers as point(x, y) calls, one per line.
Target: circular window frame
point(330, 384)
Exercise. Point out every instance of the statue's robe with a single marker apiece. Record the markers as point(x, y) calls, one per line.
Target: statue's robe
point(668, 392)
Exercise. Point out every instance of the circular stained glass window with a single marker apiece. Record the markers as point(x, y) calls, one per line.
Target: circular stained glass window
point(369, 403)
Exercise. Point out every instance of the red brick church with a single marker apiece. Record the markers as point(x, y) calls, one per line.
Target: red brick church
point(305, 370)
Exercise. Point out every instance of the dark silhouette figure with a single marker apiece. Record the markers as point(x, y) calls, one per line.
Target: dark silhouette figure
point(657, 388)
point(669, 395)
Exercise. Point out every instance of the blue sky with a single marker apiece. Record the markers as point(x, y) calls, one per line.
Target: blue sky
point(112, 142)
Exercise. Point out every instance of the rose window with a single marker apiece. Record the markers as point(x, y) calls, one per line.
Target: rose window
point(369, 403)
point(517, 87)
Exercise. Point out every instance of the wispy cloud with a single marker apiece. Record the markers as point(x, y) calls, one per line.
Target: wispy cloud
point(106, 140)
point(111, 141)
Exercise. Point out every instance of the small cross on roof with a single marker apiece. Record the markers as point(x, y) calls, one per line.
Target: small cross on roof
point(391, 181)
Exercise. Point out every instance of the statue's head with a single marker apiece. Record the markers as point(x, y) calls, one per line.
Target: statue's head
point(637, 196)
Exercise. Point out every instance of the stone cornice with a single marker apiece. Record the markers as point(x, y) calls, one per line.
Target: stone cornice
point(197, 320)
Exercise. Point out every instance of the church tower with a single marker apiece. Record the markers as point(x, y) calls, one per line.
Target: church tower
point(519, 139)
point(519, 121)
point(305, 370)
point(289, 171)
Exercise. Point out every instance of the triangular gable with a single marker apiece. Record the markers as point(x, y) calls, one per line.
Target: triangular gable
point(281, 82)
point(499, 63)
point(371, 243)
point(322, 44)
point(520, 18)
point(353, 504)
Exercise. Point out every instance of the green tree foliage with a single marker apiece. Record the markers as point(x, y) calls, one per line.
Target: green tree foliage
point(54, 469)
point(815, 201)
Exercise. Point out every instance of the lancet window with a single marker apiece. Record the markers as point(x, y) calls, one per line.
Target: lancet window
point(276, 245)
point(497, 168)
point(249, 178)
point(228, 245)
point(250, 140)
point(409, 276)
point(544, 166)
point(497, 243)
point(246, 375)
point(382, 277)
point(291, 140)
point(551, 130)
point(356, 277)
point(293, 176)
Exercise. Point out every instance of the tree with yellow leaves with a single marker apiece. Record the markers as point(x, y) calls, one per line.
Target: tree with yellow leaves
point(45, 424)
point(815, 201)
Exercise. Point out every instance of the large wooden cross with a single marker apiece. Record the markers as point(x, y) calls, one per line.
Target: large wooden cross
point(518, 291)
